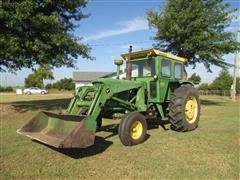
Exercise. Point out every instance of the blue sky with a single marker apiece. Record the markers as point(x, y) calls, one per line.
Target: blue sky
point(110, 29)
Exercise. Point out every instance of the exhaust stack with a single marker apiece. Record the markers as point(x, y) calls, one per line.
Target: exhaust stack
point(129, 65)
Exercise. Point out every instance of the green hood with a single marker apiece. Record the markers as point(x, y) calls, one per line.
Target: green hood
point(118, 83)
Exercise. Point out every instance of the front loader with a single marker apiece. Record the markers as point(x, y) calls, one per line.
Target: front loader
point(154, 88)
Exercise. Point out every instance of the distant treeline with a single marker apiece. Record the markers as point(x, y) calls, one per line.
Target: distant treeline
point(63, 84)
point(6, 89)
point(223, 82)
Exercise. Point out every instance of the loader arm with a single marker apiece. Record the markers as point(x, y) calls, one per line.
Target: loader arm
point(94, 98)
point(77, 128)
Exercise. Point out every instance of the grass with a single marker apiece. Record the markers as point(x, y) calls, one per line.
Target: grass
point(209, 152)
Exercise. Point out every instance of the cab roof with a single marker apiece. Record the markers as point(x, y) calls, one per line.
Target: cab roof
point(152, 52)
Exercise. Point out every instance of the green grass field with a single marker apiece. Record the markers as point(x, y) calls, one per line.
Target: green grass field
point(209, 152)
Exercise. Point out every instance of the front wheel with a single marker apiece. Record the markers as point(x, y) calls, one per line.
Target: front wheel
point(184, 109)
point(132, 129)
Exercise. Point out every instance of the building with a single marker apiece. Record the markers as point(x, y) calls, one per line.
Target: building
point(82, 78)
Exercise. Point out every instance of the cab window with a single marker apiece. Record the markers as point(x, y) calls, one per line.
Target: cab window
point(143, 68)
point(178, 69)
point(166, 68)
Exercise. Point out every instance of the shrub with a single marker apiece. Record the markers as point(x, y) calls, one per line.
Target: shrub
point(6, 89)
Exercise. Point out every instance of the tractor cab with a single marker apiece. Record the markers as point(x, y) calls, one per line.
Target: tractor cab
point(158, 70)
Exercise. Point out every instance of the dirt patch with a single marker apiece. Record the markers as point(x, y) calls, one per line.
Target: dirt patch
point(6, 109)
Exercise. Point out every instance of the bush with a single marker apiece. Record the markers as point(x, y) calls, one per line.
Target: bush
point(48, 86)
point(64, 84)
point(6, 89)
point(204, 86)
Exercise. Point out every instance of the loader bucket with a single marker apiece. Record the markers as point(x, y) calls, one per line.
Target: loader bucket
point(60, 131)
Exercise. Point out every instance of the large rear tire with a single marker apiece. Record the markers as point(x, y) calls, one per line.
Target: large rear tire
point(184, 109)
point(132, 129)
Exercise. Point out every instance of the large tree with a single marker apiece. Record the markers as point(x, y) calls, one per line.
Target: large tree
point(195, 29)
point(40, 32)
point(224, 81)
point(37, 77)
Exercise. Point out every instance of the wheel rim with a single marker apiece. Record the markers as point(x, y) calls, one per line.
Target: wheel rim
point(191, 109)
point(136, 130)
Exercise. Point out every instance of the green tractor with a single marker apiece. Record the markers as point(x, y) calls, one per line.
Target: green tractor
point(154, 88)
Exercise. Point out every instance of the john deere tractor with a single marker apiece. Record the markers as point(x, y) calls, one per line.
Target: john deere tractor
point(154, 88)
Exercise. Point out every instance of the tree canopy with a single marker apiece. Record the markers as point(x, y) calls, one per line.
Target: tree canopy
point(195, 30)
point(36, 79)
point(66, 84)
point(222, 82)
point(40, 32)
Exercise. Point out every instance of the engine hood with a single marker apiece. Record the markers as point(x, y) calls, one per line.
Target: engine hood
point(119, 83)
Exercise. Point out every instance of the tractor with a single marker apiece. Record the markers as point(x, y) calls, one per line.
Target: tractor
point(155, 87)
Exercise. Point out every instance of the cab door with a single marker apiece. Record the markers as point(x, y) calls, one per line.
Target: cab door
point(144, 70)
point(166, 75)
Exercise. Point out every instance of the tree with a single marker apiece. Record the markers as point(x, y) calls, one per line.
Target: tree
point(44, 72)
point(40, 32)
point(195, 30)
point(66, 84)
point(48, 86)
point(196, 79)
point(36, 78)
point(222, 82)
point(33, 81)
point(203, 86)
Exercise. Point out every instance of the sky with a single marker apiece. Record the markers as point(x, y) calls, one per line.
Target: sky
point(109, 30)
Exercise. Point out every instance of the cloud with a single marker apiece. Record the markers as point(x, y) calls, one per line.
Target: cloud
point(136, 24)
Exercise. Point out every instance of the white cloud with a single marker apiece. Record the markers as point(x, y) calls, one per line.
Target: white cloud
point(133, 25)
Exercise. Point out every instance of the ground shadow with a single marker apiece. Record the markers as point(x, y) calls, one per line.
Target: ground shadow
point(112, 128)
point(48, 105)
point(152, 124)
point(156, 123)
point(100, 145)
point(210, 103)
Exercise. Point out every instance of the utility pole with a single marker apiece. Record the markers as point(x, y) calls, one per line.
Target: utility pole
point(235, 70)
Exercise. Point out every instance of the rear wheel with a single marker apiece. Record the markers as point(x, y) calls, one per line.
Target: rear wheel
point(132, 129)
point(184, 109)
point(28, 92)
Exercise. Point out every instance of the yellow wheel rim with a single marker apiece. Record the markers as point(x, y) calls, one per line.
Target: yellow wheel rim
point(136, 130)
point(191, 109)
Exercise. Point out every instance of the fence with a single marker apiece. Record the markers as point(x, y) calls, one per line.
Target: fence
point(215, 92)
